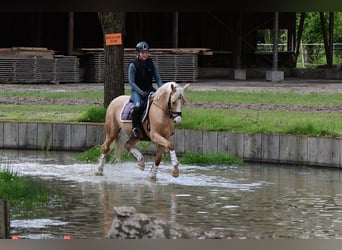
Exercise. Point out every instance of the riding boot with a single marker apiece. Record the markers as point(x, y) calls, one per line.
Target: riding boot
point(135, 122)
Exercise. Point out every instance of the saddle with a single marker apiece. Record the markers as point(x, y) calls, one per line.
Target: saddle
point(126, 111)
point(126, 115)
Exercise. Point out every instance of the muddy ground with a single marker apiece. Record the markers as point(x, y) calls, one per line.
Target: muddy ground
point(297, 86)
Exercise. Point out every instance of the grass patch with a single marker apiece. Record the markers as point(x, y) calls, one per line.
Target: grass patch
point(313, 99)
point(92, 155)
point(43, 113)
point(93, 114)
point(210, 159)
point(251, 121)
point(311, 130)
point(24, 192)
point(244, 121)
point(90, 95)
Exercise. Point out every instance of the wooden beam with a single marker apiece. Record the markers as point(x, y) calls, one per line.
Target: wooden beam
point(70, 47)
point(175, 29)
point(4, 219)
point(275, 41)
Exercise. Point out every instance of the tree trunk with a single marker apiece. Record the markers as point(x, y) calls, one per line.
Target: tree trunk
point(325, 38)
point(113, 23)
point(299, 34)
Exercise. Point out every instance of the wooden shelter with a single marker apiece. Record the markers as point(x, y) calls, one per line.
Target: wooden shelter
point(231, 37)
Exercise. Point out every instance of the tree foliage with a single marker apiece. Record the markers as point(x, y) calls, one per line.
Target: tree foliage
point(312, 32)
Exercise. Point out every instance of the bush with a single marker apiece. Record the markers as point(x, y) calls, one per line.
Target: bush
point(94, 114)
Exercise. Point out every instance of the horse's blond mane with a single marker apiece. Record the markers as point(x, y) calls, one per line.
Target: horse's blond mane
point(165, 88)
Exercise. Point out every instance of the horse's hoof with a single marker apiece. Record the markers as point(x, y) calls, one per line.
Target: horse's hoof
point(153, 178)
point(175, 174)
point(141, 166)
point(98, 173)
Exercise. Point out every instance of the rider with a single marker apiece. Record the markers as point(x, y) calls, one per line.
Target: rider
point(140, 77)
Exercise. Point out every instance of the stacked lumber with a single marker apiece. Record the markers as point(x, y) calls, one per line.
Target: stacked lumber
point(35, 65)
point(93, 67)
point(66, 69)
point(179, 65)
point(26, 52)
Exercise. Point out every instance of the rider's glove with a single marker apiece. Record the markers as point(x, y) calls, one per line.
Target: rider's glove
point(144, 94)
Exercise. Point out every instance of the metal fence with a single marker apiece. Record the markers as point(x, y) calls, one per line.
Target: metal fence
point(310, 54)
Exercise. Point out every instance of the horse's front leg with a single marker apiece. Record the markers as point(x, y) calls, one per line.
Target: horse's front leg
point(130, 147)
point(159, 154)
point(102, 161)
point(175, 163)
point(157, 138)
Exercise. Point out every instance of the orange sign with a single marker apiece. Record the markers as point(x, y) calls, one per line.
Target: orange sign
point(113, 39)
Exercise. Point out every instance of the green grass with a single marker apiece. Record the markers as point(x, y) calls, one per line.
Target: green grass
point(249, 121)
point(24, 192)
point(42, 113)
point(93, 114)
point(90, 95)
point(92, 156)
point(293, 98)
point(210, 159)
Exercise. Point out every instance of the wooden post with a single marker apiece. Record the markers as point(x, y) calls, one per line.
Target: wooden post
point(70, 46)
point(275, 41)
point(238, 41)
point(4, 219)
point(274, 75)
point(175, 31)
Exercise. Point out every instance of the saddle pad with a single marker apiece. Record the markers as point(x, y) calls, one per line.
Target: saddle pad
point(125, 114)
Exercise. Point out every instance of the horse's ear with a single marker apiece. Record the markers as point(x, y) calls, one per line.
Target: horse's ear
point(173, 88)
point(186, 86)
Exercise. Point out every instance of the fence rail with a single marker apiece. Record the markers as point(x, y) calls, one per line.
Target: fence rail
point(310, 54)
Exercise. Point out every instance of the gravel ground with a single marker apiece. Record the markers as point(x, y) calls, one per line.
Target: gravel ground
point(292, 85)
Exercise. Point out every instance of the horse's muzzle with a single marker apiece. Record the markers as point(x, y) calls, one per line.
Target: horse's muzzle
point(177, 119)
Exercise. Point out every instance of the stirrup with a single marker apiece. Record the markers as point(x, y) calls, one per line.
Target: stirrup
point(135, 133)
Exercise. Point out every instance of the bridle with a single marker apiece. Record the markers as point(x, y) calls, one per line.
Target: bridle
point(169, 112)
point(173, 114)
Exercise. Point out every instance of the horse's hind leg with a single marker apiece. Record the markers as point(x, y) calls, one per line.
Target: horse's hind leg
point(111, 135)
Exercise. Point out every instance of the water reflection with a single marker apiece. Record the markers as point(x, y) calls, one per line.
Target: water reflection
point(256, 200)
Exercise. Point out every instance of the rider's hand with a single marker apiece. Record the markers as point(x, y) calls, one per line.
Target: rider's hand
point(144, 93)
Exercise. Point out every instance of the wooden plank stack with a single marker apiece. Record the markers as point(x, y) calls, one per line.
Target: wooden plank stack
point(179, 65)
point(35, 65)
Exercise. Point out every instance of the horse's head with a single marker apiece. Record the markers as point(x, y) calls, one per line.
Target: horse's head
point(173, 97)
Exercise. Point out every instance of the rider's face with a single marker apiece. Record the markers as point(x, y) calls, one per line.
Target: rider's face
point(143, 55)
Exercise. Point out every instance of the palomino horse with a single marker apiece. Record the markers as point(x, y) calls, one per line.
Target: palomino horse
point(164, 112)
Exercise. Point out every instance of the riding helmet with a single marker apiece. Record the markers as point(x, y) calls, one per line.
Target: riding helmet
point(142, 46)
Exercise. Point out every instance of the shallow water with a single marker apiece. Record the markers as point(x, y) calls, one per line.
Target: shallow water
point(255, 200)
